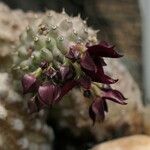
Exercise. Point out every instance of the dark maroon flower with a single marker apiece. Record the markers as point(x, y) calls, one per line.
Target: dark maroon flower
point(73, 54)
point(99, 105)
point(65, 73)
point(48, 94)
point(44, 65)
point(87, 62)
point(67, 87)
point(96, 110)
point(103, 49)
point(114, 96)
point(100, 77)
point(29, 83)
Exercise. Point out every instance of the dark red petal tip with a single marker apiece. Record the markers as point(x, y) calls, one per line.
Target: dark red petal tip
point(103, 49)
point(96, 110)
point(114, 96)
point(100, 77)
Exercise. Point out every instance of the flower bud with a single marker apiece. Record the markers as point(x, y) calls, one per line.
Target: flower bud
point(48, 94)
point(29, 83)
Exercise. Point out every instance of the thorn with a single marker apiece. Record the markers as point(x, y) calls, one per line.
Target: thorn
point(54, 27)
point(79, 40)
point(96, 31)
point(32, 56)
point(63, 11)
point(85, 30)
point(27, 28)
point(61, 38)
point(15, 53)
point(18, 68)
point(67, 19)
point(49, 14)
point(36, 16)
point(75, 32)
point(25, 68)
point(48, 39)
point(36, 39)
point(79, 15)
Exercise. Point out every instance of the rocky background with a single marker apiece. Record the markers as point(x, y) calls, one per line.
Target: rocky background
point(67, 126)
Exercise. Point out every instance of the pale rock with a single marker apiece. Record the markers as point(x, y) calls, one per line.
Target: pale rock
point(136, 142)
point(24, 143)
point(3, 112)
point(17, 124)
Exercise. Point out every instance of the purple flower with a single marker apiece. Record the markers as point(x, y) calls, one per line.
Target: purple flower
point(48, 94)
point(113, 95)
point(103, 49)
point(67, 87)
point(99, 105)
point(73, 54)
point(99, 76)
point(83, 69)
point(87, 62)
point(29, 83)
point(96, 110)
point(92, 62)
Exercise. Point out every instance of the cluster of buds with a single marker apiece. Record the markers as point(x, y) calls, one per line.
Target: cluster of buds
point(53, 66)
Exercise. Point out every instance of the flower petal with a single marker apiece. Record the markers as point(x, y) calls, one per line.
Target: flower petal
point(103, 49)
point(113, 92)
point(100, 77)
point(48, 94)
point(73, 54)
point(29, 83)
point(114, 96)
point(66, 88)
point(87, 62)
point(96, 110)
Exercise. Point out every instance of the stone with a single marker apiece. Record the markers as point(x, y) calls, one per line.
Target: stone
point(136, 142)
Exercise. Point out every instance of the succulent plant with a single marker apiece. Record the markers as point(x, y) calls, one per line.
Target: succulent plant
point(57, 53)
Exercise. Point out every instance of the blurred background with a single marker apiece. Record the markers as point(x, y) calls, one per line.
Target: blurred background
point(125, 23)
